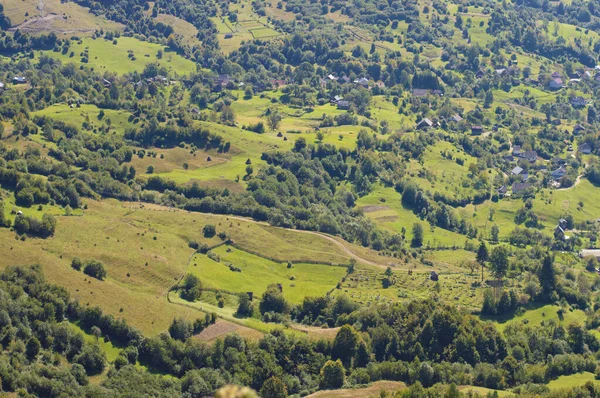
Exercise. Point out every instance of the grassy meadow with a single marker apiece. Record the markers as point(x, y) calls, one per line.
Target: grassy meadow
point(103, 55)
point(60, 17)
point(257, 273)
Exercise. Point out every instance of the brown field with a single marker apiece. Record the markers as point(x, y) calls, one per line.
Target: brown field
point(181, 27)
point(372, 391)
point(56, 16)
point(174, 158)
point(222, 328)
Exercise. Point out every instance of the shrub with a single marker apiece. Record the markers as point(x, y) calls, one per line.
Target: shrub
point(95, 269)
point(245, 306)
point(191, 288)
point(76, 264)
point(209, 231)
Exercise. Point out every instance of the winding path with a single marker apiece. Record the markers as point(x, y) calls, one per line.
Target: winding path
point(339, 244)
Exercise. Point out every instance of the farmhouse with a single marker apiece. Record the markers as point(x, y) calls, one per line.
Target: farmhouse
point(480, 73)
point(363, 81)
point(578, 128)
point(223, 80)
point(530, 156)
point(516, 150)
point(502, 190)
point(19, 80)
point(476, 130)
point(585, 148)
point(578, 102)
point(331, 77)
point(456, 118)
point(516, 171)
point(278, 83)
point(424, 124)
point(422, 92)
point(590, 253)
point(559, 173)
point(343, 105)
point(519, 187)
point(556, 84)
point(345, 79)
point(559, 233)
point(557, 160)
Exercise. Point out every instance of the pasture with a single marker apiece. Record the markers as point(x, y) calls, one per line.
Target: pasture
point(145, 251)
point(536, 316)
point(127, 55)
point(409, 282)
point(384, 206)
point(257, 273)
point(574, 380)
point(88, 117)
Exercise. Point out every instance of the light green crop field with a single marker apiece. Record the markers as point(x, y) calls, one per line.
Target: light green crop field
point(487, 214)
point(384, 207)
point(112, 352)
point(444, 175)
point(570, 381)
point(483, 392)
point(76, 116)
point(544, 314)
point(103, 55)
point(382, 109)
point(454, 287)
point(478, 33)
point(257, 273)
point(263, 33)
point(541, 96)
point(566, 201)
point(246, 145)
point(36, 211)
point(569, 32)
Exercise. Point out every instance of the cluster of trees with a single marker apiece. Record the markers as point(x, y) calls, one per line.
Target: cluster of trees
point(26, 225)
point(92, 268)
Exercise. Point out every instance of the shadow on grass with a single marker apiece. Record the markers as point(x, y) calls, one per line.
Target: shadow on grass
point(502, 319)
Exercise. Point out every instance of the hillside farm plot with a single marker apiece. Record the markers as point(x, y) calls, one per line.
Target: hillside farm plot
point(569, 32)
point(128, 55)
point(581, 201)
point(544, 314)
point(366, 286)
point(574, 380)
point(232, 34)
point(227, 167)
point(384, 207)
point(55, 16)
point(145, 251)
point(89, 117)
point(257, 273)
point(181, 27)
